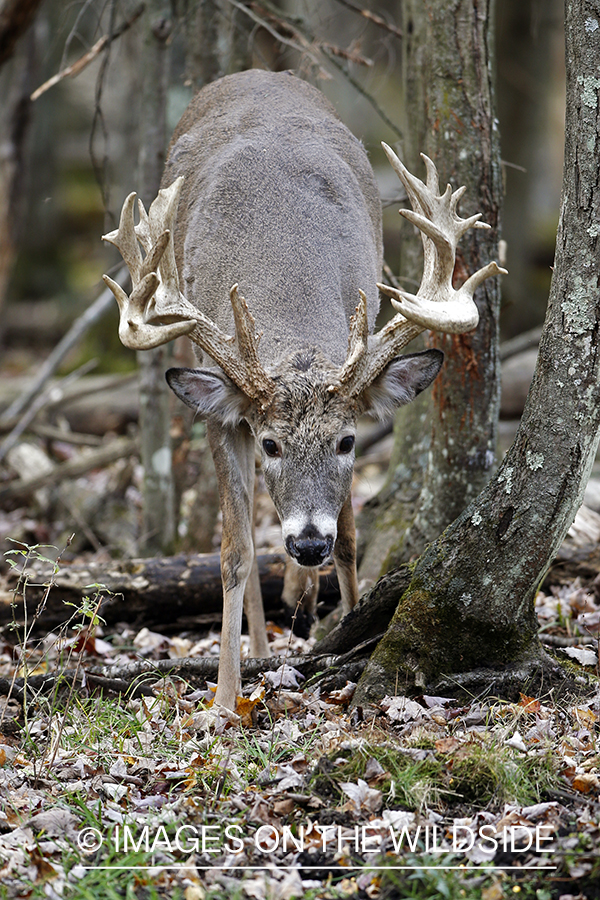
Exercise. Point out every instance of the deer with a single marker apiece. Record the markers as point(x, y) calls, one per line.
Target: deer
point(264, 246)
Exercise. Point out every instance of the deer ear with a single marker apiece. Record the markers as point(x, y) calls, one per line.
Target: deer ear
point(209, 393)
point(400, 382)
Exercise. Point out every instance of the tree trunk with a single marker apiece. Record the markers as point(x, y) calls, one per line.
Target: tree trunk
point(202, 38)
point(15, 18)
point(470, 601)
point(449, 111)
point(158, 529)
point(16, 83)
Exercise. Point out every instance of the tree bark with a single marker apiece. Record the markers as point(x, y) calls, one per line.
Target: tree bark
point(15, 18)
point(449, 112)
point(158, 528)
point(202, 34)
point(470, 601)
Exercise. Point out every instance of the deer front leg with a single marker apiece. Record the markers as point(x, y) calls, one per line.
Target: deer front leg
point(253, 605)
point(230, 450)
point(344, 557)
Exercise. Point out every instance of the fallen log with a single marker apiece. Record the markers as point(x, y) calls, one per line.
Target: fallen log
point(170, 593)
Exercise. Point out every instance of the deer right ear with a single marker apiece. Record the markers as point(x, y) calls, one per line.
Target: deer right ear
point(400, 382)
point(209, 393)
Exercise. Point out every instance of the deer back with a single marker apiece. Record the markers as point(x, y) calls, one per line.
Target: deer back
point(280, 197)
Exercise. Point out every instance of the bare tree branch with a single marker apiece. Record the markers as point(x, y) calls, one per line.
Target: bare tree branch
point(372, 17)
point(84, 61)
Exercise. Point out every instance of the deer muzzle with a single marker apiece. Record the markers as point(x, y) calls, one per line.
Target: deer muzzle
point(310, 547)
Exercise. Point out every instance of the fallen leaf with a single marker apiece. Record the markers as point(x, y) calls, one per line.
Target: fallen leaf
point(447, 745)
point(585, 782)
point(583, 656)
point(529, 704)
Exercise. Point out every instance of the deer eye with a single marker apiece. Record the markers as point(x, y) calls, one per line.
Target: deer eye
point(346, 444)
point(270, 447)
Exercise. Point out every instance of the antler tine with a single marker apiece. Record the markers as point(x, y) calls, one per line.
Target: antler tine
point(357, 344)
point(240, 362)
point(124, 239)
point(156, 312)
point(255, 382)
point(436, 305)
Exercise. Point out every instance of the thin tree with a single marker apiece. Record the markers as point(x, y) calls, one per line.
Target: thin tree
point(468, 610)
point(448, 104)
point(158, 488)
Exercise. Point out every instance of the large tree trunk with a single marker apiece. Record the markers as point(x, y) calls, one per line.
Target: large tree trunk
point(449, 114)
point(470, 601)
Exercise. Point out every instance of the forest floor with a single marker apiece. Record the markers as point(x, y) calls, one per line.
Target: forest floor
point(139, 790)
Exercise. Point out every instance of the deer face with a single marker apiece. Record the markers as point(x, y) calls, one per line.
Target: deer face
point(307, 451)
point(306, 434)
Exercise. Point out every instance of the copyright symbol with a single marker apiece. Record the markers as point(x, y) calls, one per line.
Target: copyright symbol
point(89, 840)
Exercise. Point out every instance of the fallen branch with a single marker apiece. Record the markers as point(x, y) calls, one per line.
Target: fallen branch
point(73, 468)
point(52, 393)
point(370, 619)
point(71, 338)
point(127, 678)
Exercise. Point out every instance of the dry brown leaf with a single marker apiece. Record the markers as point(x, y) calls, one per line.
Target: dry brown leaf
point(585, 782)
point(447, 745)
point(529, 704)
point(585, 717)
point(493, 892)
point(283, 807)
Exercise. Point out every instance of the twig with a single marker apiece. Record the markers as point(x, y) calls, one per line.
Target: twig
point(372, 17)
point(40, 402)
point(556, 640)
point(350, 55)
point(303, 47)
point(50, 433)
point(524, 341)
point(368, 97)
point(73, 468)
point(307, 41)
point(71, 338)
point(80, 64)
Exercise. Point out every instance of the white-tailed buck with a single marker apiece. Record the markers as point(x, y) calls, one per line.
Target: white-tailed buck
point(267, 196)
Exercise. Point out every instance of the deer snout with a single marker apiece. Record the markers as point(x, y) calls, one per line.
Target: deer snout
point(310, 547)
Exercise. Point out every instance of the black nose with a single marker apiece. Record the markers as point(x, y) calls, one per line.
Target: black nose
point(309, 551)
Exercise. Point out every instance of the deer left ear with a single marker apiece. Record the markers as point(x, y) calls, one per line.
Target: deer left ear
point(400, 382)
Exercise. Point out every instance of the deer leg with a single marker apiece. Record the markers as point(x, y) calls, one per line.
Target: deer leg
point(344, 556)
point(253, 605)
point(230, 450)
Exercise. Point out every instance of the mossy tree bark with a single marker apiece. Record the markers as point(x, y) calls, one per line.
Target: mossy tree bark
point(448, 101)
point(470, 601)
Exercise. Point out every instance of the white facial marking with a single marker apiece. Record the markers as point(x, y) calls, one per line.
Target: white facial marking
point(294, 525)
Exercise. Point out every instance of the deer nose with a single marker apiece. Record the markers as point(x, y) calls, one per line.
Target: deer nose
point(309, 549)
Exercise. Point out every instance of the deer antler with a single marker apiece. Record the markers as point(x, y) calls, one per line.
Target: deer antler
point(436, 305)
point(156, 311)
